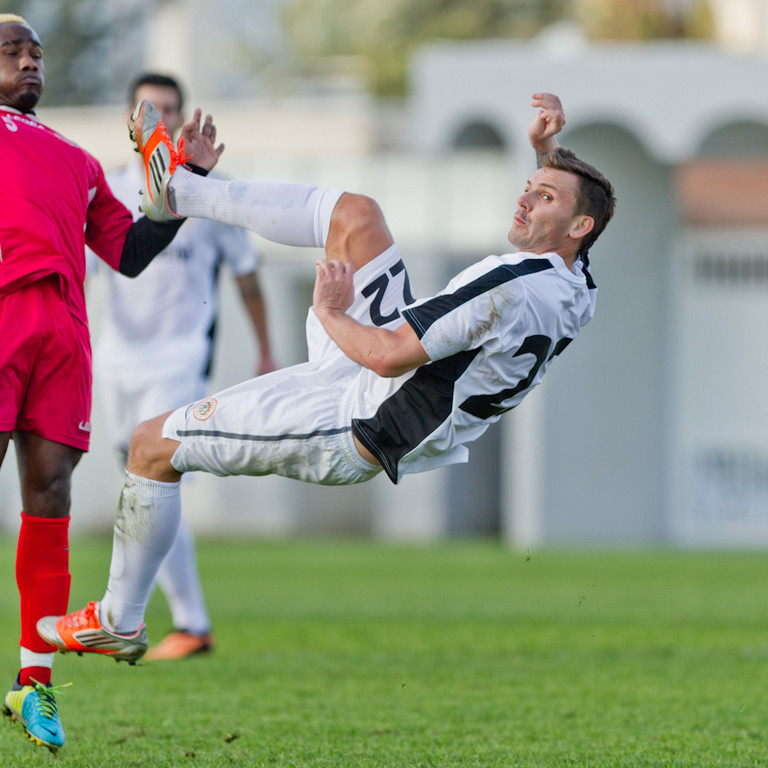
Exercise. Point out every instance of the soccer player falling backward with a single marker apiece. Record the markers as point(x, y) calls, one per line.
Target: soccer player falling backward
point(392, 384)
point(54, 201)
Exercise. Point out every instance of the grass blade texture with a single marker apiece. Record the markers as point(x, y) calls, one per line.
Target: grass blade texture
point(354, 653)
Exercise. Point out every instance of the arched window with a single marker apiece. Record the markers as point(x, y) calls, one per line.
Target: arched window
point(478, 136)
point(738, 139)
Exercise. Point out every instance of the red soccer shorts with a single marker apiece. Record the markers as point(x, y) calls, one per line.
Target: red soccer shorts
point(45, 366)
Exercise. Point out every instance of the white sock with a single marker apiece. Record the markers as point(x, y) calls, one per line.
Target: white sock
point(147, 522)
point(178, 578)
point(281, 211)
point(34, 659)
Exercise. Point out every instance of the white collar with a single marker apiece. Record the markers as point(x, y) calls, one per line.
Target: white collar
point(7, 108)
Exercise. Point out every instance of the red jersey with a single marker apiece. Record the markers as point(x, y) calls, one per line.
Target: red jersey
point(53, 201)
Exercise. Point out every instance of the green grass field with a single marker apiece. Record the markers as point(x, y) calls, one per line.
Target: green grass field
point(358, 654)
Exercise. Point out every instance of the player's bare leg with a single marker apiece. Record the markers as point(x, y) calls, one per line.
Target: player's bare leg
point(350, 227)
point(5, 438)
point(42, 576)
point(45, 472)
point(146, 526)
point(358, 231)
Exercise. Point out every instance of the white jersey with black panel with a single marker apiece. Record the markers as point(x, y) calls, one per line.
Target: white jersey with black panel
point(491, 335)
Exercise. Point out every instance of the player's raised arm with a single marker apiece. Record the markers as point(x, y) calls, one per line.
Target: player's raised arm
point(549, 121)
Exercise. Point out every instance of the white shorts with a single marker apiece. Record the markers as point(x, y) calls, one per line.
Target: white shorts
point(295, 422)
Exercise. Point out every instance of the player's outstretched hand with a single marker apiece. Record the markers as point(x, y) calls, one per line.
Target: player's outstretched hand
point(549, 121)
point(200, 141)
point(334, 287)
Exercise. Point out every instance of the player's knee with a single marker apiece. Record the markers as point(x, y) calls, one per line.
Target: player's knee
point(150, 453)
point(46, 476)
point(355, 213)
point(48, 494)
point(358, 231)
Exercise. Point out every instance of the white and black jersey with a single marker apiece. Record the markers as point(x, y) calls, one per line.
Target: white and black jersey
point(491, 335)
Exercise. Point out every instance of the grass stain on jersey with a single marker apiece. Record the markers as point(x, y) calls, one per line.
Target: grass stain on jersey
point(480, 332)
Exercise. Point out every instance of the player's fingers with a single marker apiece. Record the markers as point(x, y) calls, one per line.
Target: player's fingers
point(326, 267)
point(546, 98)
point(193, 126)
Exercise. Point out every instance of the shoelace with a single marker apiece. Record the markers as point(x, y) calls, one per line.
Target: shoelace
point(46, 702)
point(85, 617)
point(180, 156)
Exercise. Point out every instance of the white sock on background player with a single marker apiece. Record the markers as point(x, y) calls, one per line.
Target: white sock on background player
point(282, 211)
point(146, 526)
point(179, 580)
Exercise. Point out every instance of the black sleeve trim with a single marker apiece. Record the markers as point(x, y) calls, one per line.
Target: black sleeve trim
point(423, 315)
point(196, 169)
point(145, 239)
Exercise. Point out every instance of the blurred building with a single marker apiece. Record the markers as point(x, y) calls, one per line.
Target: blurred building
point(651, 427)
point(741, 25)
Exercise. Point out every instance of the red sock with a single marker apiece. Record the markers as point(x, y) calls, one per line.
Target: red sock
point(32, 675)
point(42, 576)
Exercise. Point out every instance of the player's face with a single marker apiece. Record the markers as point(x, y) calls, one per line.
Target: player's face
point(166, 102)
point(545, 219)
point(21, 66)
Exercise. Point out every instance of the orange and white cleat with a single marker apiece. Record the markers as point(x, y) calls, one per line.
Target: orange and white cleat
point(180, 644)
point(81, 632)
point(154, 143)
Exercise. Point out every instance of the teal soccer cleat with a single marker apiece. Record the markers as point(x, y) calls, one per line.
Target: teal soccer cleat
point(34, 706)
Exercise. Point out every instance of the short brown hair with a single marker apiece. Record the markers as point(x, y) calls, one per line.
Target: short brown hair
point(158, 79)
point(595, 197)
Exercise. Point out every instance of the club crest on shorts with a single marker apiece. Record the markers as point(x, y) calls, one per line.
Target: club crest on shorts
point(204, 409)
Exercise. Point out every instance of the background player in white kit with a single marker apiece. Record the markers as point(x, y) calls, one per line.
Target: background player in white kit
point(156, 343)
point(391, 384)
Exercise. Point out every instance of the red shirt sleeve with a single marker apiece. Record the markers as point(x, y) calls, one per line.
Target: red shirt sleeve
point(107, 223)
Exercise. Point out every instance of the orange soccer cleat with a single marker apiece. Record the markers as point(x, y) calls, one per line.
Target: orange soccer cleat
point(180, 644)
point(81, 632)
point(154, 143)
